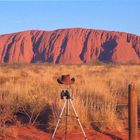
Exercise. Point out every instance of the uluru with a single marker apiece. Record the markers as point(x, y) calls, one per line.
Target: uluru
point(69, 46)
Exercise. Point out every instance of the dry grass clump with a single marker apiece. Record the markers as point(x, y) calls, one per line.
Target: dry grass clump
point(31, 92)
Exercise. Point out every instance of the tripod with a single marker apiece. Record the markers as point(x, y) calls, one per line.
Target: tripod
point(68, 101)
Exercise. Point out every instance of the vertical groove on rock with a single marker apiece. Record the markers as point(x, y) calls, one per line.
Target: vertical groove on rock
point(9, 46)
point(63, 47)
point(108, 46)
point(84, 47)
point(36, 46)
point(51, 45)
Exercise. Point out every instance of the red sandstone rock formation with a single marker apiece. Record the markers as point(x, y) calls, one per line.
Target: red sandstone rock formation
point(69, 46)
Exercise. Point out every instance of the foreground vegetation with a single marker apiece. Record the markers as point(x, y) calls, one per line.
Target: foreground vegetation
point(30, 94)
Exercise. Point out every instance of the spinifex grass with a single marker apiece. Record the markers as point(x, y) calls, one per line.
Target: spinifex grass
point(33, 91)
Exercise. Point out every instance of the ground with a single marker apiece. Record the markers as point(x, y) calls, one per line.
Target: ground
point(31, 133)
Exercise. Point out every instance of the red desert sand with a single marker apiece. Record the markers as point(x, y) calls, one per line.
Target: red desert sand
point(25, 133)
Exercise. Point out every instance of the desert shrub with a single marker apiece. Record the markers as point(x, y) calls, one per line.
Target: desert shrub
point(7, 116)
point(31, 106)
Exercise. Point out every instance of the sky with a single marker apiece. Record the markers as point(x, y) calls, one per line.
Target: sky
point(114, 15)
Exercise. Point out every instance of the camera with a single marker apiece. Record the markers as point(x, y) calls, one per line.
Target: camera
point(65, 93)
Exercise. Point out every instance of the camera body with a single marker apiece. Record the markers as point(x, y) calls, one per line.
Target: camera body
point(65, 93)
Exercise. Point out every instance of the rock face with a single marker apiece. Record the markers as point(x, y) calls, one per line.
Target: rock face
point(69, 46)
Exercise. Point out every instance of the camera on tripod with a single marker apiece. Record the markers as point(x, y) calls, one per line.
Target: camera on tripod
point(67, 80)
point(65, 93)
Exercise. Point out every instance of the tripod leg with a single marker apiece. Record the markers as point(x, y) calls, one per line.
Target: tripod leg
point(78, 119)
point(67, 104)
point(60, 117)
